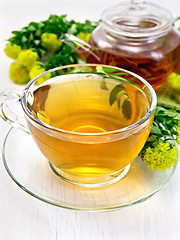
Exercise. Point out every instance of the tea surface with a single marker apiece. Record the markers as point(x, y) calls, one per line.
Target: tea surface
point(83, 106)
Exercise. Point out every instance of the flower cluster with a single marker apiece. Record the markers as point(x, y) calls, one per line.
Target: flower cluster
point(27, 62)
point(84, 36)
point(36, 47)
point(160, 151)
point(36, 71)
point(50, 42)
point(171, 88)
point(174, 81)
point(28, 59)
point(12, 50)
point(160, 156)
point(18, 73)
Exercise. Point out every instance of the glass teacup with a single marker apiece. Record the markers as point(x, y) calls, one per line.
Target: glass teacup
point(90, 121)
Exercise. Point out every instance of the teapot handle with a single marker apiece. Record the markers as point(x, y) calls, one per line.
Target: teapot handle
point(9, 103)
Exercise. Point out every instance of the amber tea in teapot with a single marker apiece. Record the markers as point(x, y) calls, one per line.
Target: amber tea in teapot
point(154, 61)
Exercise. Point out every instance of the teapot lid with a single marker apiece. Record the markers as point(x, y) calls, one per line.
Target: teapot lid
point(137, 19)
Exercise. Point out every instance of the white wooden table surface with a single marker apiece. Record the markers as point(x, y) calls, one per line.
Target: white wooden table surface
point(23, 217)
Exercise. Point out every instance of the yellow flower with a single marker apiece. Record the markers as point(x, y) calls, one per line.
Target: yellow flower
point(12, 50)
point(18, 73)
point(37, 70)
point(161, 156)
point(50, 42)
point(84, 36)
point(28, 58)
point(165, 90)
point(174, 81)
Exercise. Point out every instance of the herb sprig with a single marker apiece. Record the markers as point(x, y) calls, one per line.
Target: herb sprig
point(164, 125)
point(160, 151)
point(29, 37)
point(42, 39)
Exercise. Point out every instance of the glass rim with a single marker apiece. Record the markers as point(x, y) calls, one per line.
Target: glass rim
point(121, 130)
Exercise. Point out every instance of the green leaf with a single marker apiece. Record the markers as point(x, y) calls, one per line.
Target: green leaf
point(119, 96)
point(156, 130)
point(118, 102)
point(24, 39)
point(108, 70)
point(103, 84)
point(15, 32)
point(41, 24)
point(24, 30)
point(37, 42)
point(119, 74)
point(38, 33)
point(42, 51)
point(152, 138)
point(114, 92)
point(31, 37)
point(127, 108)
point(31, 28)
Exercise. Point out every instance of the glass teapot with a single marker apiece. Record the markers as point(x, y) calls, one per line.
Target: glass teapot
point(135, 35)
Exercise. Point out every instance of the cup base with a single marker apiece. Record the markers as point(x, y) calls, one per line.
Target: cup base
point(90, 182)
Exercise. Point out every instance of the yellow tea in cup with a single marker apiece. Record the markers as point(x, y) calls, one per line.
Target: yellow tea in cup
point(90, 125)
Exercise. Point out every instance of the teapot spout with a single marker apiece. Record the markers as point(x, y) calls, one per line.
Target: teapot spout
point(82, 48)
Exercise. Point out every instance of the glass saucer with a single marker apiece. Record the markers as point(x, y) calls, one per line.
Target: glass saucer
point(31, 172)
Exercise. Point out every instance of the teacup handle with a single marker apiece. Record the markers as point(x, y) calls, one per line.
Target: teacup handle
point(10, 103)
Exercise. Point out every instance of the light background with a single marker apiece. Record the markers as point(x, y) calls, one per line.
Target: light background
point(24, 218)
